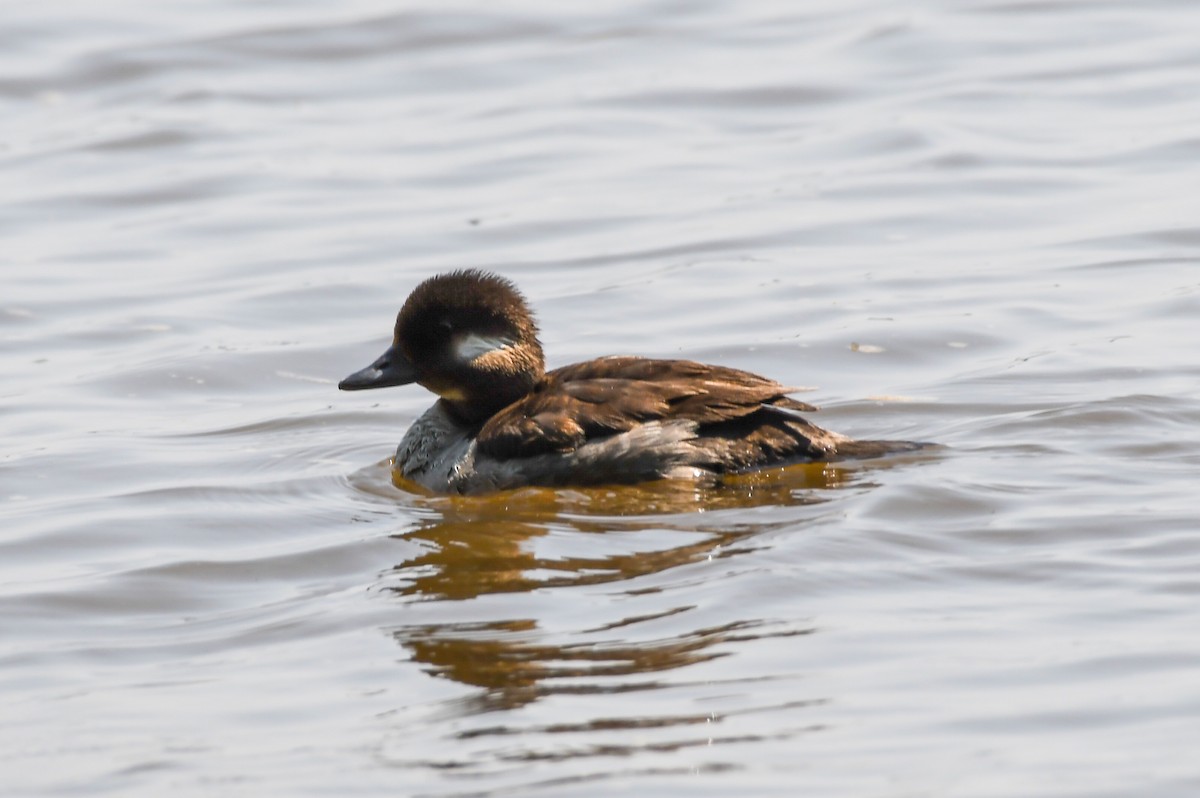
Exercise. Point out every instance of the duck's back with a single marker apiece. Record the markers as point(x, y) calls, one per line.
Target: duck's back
point(736, 420)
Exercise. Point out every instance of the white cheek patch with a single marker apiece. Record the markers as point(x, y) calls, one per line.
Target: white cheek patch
point(472, 346)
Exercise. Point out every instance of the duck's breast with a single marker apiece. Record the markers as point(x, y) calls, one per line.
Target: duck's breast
point(434, 451)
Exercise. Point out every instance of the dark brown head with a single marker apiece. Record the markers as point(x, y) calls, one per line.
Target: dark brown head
point(467, 336)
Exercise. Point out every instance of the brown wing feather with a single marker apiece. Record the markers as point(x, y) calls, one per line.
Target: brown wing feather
point(602, 397)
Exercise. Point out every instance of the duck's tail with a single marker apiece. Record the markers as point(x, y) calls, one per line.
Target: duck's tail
point(862, 450)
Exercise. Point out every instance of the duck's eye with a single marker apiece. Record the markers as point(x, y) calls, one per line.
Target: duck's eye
point(445, 325)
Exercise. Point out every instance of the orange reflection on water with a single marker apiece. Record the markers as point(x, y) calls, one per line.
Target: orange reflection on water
point(479, 545)
point(525, 540)
point(515, 663)
point(777, 486)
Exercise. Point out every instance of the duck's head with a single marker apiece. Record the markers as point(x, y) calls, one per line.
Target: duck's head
point(467, 336)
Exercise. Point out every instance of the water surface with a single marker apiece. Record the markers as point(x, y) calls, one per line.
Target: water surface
point(966, 222)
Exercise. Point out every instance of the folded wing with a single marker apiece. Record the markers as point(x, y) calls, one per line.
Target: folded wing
point(742, 420)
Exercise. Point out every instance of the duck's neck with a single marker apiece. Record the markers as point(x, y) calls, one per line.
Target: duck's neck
point(491, 381)
point(476, 406)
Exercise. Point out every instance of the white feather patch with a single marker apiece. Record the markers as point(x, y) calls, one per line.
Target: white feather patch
point(472, 346)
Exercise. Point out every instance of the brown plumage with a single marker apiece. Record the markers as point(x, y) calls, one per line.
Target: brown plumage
point(738, 414)
point(503, 421)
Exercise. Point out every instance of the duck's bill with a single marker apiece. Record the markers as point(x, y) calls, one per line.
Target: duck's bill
point(391, 368)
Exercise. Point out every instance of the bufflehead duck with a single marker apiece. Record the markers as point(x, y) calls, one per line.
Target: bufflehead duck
point(503, 421)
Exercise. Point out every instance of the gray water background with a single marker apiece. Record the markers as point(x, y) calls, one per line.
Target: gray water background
point(967, 222)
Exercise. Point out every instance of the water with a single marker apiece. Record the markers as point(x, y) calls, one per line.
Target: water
point(967, 222)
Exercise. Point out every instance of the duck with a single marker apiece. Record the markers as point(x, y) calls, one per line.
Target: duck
point(502, 421)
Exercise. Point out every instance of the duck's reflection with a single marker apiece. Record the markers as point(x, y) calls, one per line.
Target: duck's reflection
point(514, 667)
point(485, 545)
point(546, 540)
